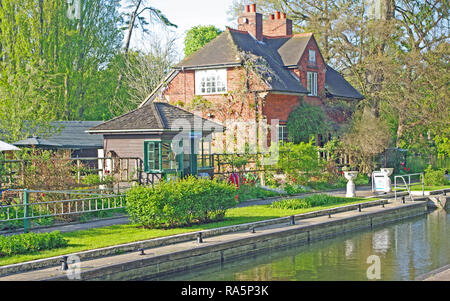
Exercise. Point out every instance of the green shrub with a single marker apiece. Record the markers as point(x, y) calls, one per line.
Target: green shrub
point(361, 179)
point(30, 242)
point(294, 189)
point(248, 192)
point(94, 179)
point(181, 202)
point(299, 162)
point(435, 177)
point(308, 202)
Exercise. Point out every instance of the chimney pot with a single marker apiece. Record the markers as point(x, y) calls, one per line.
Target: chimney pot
point(247, 8)
point(278, 15)
point(272, 17)
point(253, 10)
point(284, 15)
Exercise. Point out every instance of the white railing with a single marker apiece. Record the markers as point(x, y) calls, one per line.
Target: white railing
point(407, 184)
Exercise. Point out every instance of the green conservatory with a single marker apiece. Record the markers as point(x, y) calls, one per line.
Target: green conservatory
point(178, 157)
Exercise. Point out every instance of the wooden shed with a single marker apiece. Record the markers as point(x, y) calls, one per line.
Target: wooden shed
point(169, 140)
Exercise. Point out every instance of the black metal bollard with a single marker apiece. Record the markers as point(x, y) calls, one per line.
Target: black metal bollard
point(64, 265)
point(199, 238)
point(142, 252)
point(253, 230)
point(359, 208)
point(292, 220)
point(403, 199)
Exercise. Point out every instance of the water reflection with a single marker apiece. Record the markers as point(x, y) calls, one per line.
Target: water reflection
point(380, 241)
point(406, 249)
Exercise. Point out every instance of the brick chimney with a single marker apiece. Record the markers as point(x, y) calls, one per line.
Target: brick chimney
point(251, 21)
point(277, 25)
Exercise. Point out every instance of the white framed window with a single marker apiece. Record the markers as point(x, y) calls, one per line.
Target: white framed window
point(312, 83)
point(213, 81)
point(312, 56)
point(282, 133)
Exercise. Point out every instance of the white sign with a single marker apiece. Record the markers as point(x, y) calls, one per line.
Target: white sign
point(379, 181)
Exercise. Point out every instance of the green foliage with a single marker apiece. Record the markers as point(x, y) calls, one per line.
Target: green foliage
point(180, 202)
point(198, 36)
point(17, 224)
point(30, 243)
point(299, 162)
point(305, 122)
point(249, 192)
point(294, 189)
point(442, 142)
point(361, 179)
point(308, 202)
point(435, 177)
point(52, 66)
point(94, 179)
point(367, 137)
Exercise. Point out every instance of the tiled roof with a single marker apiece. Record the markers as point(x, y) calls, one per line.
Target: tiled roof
point(226, 49)
point(156, 116)
point(279, 52)
point(72, 134)
point(66, 135)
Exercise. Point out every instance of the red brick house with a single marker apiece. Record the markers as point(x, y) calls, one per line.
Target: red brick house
point(296, 67)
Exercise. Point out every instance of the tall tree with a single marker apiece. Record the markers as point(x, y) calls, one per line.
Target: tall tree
point(198, 36)
point(143, 71)
point(59, 57)
point(135, 19)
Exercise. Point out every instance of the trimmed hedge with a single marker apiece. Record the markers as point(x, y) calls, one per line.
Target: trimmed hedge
point(181, 202)
point(308, 202)
point(30, 243)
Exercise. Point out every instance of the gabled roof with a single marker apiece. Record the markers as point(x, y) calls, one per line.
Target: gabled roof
point(156, 117)
point(337, 87)
point(290, 49)
point(280, 53)
point(225, 51)
point(220, 51)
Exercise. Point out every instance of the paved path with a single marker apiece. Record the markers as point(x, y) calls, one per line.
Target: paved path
point(364, 191)
point(97, 263)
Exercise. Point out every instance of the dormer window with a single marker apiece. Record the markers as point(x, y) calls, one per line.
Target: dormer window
point(212, 81)
point(312, 57)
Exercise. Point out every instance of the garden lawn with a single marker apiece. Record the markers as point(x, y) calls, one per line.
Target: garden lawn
point(418, 187)
point(114, 235)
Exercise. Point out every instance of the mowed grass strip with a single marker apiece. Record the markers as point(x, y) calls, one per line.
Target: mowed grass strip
point(418, 187)
point(120, 234)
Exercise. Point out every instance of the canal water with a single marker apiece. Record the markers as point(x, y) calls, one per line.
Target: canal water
point(406, 250)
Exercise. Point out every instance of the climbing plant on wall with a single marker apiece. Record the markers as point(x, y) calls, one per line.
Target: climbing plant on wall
point(305, 122)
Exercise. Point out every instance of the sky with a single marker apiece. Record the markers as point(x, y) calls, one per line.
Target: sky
point(186, 14)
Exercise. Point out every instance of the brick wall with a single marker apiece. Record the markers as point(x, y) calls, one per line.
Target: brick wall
point(278, 106)
point(305, 66)
point(185, 82)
